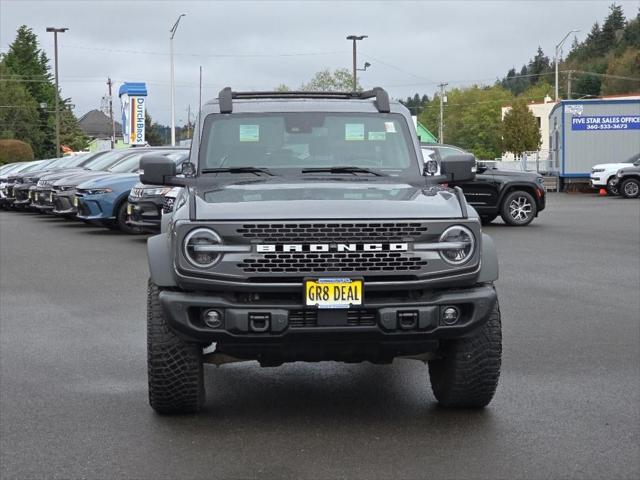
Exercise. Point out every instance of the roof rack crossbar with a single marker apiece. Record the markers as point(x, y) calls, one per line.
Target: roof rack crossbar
point(226, 96)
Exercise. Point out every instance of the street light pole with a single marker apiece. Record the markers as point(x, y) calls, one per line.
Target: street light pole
point(173, 87)
point(557, 58)
point(55, 49)
point(355, 38)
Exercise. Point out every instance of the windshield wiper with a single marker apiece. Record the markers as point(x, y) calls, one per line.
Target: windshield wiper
point(255, 170)
point(353, 170)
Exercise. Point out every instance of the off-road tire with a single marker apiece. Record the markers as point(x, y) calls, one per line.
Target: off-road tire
point(518, 196)
point(466, 376)
point(174, 367)
point(612, 190)
point(487, 219)
point(630, 188)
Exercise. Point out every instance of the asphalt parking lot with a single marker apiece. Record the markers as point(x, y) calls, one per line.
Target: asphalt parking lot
point(73, 394)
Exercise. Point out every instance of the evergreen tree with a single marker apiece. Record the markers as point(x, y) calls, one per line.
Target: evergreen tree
point(27, 64)
point(520, 132)
point(19, 116)
point(152, 131)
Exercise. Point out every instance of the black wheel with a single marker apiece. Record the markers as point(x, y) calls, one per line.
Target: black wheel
point(487, 219)
point(630, 188)
point(174, 366)
point(612, 189)
point(121, 221)
point(467, 374)
point(518, 208)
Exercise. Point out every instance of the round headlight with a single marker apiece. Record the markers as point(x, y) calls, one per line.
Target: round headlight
point(461, 245)
point(195, 247)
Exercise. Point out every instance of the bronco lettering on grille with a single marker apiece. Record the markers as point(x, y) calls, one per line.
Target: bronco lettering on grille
point(333, 247)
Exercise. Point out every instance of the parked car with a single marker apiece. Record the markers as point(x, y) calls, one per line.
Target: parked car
point(603, 175)
point(146, 203)
point(42, 194)
point(103, 200)
point(18, 184)
point(5, 170)
point(64, 189)
point(518, 197)
point(9, 181)
point(628, 181)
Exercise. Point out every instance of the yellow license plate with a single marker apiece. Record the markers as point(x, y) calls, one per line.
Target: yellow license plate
point(51, 197)
point(75, 201)
point(333, 292)
point(129, 209)
point(30, 195)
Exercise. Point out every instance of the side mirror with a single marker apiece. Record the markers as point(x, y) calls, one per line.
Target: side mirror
point(459, 168)
point(481, 168)
point(157, 169)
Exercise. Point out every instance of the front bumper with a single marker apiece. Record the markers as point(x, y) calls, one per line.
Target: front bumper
point(21, 195)
point(42, 199)
point(598, 179)
point(145, 212)
point(286, 325)
point(90, 208)
point(63, 203)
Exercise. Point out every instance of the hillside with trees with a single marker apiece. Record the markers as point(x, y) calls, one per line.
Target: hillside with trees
point(606, 62)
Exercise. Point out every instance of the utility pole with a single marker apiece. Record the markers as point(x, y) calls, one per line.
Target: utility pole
point(113, 123)
point(173, 87)
point(57, 95)
point(556, 60)
point(200, 101)
point(442, 101)
point(355, 38)
point(569, 84)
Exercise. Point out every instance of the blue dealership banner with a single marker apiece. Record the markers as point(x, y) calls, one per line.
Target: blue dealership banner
point(606, 122)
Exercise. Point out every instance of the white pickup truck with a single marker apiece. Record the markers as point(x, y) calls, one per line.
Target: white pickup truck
point(603, 174)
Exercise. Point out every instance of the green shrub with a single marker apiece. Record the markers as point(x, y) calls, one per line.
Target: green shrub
point(15, 151)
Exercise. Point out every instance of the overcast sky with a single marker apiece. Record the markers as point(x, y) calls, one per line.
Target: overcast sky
point(256, 45)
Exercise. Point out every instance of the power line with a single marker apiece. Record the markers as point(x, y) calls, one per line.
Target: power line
point(208, 55)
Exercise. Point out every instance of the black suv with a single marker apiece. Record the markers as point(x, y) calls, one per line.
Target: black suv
point(518, 197)
point(311, 230)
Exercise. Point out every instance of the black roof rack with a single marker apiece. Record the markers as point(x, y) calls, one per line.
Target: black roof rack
point(226, 96)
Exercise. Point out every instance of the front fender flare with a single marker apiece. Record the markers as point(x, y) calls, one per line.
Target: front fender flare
point(489, 268)
point(161, 260)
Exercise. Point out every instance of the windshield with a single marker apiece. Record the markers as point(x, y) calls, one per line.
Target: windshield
point(77, 160)
point(131, 164)
point(11, 167)
point(308, 140)
point(105, 161)
point(39, 165)
point(60, 162)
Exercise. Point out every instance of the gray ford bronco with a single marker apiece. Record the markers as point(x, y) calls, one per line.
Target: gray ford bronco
point(309, 228)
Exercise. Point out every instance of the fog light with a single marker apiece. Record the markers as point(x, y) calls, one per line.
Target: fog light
point(212, 319)
point(450, 315)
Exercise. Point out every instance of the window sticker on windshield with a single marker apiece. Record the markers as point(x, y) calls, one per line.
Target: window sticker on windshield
point(377, 136)
point(389, 127)
point(249, 133)
point(354, 131)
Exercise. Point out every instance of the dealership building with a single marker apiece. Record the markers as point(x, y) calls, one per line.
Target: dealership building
point(583, 133)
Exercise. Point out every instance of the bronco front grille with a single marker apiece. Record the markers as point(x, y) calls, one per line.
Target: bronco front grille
point(360, 317)
point(332, 262)
point(316, 232)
